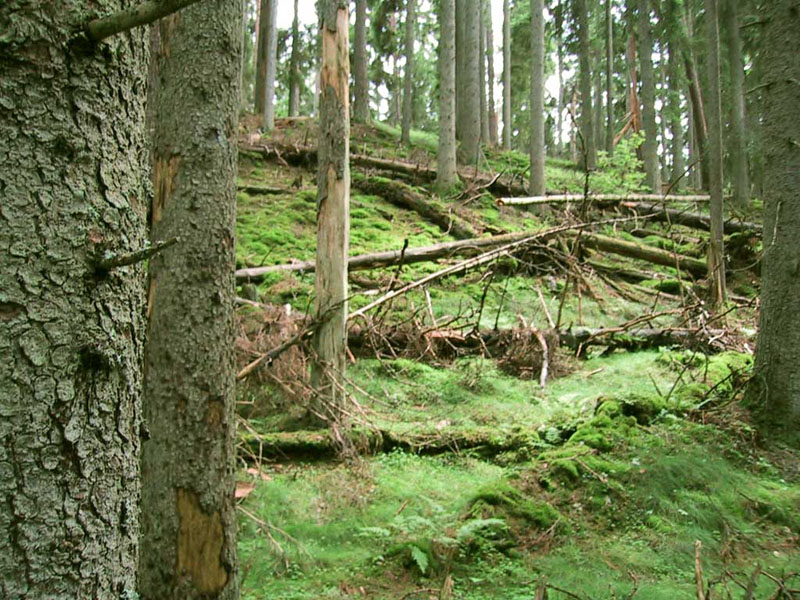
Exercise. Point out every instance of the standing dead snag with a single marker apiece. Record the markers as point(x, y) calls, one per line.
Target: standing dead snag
point(333, 212)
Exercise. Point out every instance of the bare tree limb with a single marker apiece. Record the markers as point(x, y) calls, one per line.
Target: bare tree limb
point(135, 16)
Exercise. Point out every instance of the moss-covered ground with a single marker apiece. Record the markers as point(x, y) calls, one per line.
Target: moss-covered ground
point(599, 484)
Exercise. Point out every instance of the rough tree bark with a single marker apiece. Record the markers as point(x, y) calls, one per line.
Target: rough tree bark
point(73, 166)
point(294, 65)
point(188, 471)
point(537, 152)
point(507, 74)
point(408, 75)
point(460, 53)
point(589, 150)
point(716, 249)
point(446, 174)
point(648, 96)
point(333, 213)
point(470, 92)
point(777, 376)
point(360, 77)
point(738, 138)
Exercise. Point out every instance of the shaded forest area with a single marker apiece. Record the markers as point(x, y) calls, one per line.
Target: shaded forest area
point(403, 299)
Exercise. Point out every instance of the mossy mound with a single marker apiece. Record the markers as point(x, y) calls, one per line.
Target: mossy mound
point(501, 499)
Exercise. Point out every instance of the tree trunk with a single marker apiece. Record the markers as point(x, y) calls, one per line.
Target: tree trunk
point(294, 66)
point(188, 465)
point(738, 138)
point(716, 250)
point(271, 48)
point(471, 90)
point(610, 125)
point(490, 75)
point(675, 117)
point(777, 378)
point(507, 128)
point(446, 174)
point(484, 105)
point(537, 178)
point(73, 181)
point(361, 79)
point(559, 42)
point(333, 214)
point(459, 67)
point(588, 149)
point(408, 76)
point(648, 97)
point(700, 128)
point(262, 56)
point(599, 116)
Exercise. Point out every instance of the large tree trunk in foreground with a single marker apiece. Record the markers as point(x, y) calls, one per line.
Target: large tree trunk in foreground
point(482, 73)
point(188, 511)
point(360, 77)
point(408, 75)
point(588, 150)
point(333, 214)
point(72, 175)
point(716, 250)
point(777, 378)
point(650, 145)
point(446, 173)
point(537, 152)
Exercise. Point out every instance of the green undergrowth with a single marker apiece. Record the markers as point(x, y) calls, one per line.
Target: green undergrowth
point(589, 517)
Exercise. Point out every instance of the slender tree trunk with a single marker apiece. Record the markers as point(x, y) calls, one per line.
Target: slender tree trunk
point(490, 75)
point(262, 56)
point(648, 97)
point(740, 164)
point(559, 41)
point(272, 58)
point(573, 136)
point(777, 378)
point(696, 97)
point(599, 117)
point(73, 179)
point(333, 215)
point(294, 66)
point(589, 149)
point(471, 132)
point(537, 180)
point(484, 105)
point(507, 127)
point(189, 514)
point(460, 54)
point(716, 251)
point(675, 117)
point(408, 78)
point(361, 79)
point(446, 175)
point(610, 125)
point(318, 68)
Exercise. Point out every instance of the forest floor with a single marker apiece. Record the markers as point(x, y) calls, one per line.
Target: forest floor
point(464, 477)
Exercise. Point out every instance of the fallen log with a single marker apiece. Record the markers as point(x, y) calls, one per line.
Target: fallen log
point(473, 246)
point(606, 198)
point(646, 253)
point(307, 157)
point(392, 257)
point(404, 196)
point(263, 190)
point(656, 212)
point(484, 441)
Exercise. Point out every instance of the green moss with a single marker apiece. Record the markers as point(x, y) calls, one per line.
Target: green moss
point(506, 499)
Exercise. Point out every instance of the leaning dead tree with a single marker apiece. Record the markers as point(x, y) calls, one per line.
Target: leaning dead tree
point(333, 213)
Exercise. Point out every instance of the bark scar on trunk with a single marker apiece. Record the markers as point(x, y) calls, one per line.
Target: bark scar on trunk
point(164, 172)
point(200, 543)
